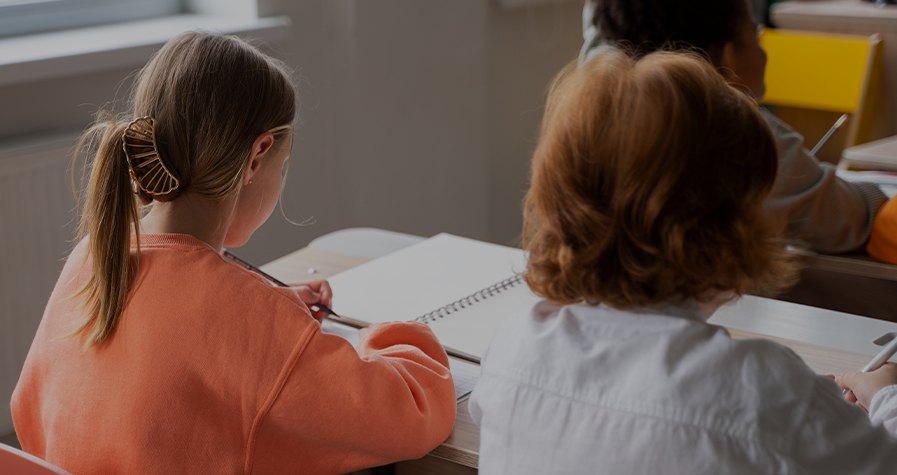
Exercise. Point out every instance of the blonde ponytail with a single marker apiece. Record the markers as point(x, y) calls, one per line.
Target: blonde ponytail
point(109, 219)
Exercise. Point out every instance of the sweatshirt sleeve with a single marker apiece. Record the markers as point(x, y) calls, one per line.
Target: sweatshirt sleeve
point(812, 204)
point(341, 410)
point(839, 438)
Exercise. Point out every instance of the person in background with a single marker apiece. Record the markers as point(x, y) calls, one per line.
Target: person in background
point(644, 216)
point(157, 356)
point(808, 200)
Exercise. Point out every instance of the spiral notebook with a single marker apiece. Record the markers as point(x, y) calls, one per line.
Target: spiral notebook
point(461, 288)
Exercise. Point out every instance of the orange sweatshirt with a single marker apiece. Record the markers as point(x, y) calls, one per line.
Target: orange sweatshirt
point(212, 370)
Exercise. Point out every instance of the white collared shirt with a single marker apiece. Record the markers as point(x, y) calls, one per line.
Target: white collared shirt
point(583, 389)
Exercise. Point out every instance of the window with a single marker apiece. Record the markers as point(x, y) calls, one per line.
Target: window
point(21, 17)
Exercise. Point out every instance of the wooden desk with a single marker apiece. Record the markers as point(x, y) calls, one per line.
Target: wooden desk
point(858, 264)
point(458, 454)
point(852, 283)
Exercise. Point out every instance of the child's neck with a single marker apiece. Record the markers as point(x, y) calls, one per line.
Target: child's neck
point(711, 302)
point(206, 220)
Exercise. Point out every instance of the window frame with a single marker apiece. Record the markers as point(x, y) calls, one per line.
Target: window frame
point(39, 16)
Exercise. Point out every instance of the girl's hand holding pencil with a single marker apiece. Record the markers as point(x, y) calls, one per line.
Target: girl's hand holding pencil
point(316, 292)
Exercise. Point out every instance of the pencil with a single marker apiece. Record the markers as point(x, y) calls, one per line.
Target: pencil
point(828, 135)
point(273, 280)
point(321, 306)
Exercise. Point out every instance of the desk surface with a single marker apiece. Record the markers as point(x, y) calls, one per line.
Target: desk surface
point(857, 263)
point(846, 340)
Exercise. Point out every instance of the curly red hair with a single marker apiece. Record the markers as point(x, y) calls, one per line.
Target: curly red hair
point(647, 186)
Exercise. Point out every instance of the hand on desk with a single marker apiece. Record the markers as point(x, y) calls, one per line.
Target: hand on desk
point(865, 385)
point(315, 291)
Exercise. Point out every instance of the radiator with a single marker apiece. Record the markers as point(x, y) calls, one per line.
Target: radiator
point(38, 222)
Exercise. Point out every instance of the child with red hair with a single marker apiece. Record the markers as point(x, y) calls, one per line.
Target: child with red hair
point(644, 216)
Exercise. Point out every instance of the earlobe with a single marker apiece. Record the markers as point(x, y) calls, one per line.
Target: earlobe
point(251, 166)
point(260, 148)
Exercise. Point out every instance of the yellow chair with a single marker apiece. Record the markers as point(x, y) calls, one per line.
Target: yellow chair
point(825, 72)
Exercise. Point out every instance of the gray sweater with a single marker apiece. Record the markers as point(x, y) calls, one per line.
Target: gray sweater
point(808, 200)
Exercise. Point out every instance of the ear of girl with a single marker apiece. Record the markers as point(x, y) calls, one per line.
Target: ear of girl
point(256, 200)
point(743, 61)
point(242, 213)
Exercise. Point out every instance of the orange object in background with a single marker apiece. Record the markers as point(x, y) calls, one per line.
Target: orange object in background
point(883, 241)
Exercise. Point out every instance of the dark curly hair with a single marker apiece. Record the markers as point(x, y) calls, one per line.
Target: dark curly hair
point(647, 186)
point(649, 25)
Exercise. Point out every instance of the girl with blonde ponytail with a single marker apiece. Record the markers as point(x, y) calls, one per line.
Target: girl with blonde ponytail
point(156, 355)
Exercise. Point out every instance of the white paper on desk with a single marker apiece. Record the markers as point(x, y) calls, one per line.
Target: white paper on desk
point(886, 181)
point(423, 277)
point(464, 375)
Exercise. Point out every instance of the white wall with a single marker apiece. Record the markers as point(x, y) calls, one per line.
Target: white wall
point(395, 123)
point(423, 114)
point(527, 47)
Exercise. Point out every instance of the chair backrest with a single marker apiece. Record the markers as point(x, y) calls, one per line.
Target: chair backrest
point(15, 461)
point(836, 73)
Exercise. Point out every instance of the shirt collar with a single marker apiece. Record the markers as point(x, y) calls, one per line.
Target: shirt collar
point(687, 309)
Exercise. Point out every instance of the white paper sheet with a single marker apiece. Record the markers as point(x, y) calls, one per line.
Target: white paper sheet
point(413, 281)
point(423, 277)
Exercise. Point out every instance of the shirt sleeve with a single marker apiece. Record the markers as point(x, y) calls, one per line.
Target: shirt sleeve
point(590, 35)
point(839, 438)
point(812, 204)
point(883, 408)
point(341, 410)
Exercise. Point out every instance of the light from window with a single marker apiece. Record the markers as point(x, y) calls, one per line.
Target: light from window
point(21, 17)
point(5, 3)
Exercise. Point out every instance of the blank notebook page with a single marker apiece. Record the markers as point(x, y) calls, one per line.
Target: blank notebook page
point(421, 278)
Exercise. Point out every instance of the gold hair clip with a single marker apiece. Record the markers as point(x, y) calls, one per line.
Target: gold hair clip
point(144, 163)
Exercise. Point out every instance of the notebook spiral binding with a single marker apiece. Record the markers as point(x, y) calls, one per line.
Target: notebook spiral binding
point(471, 299)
